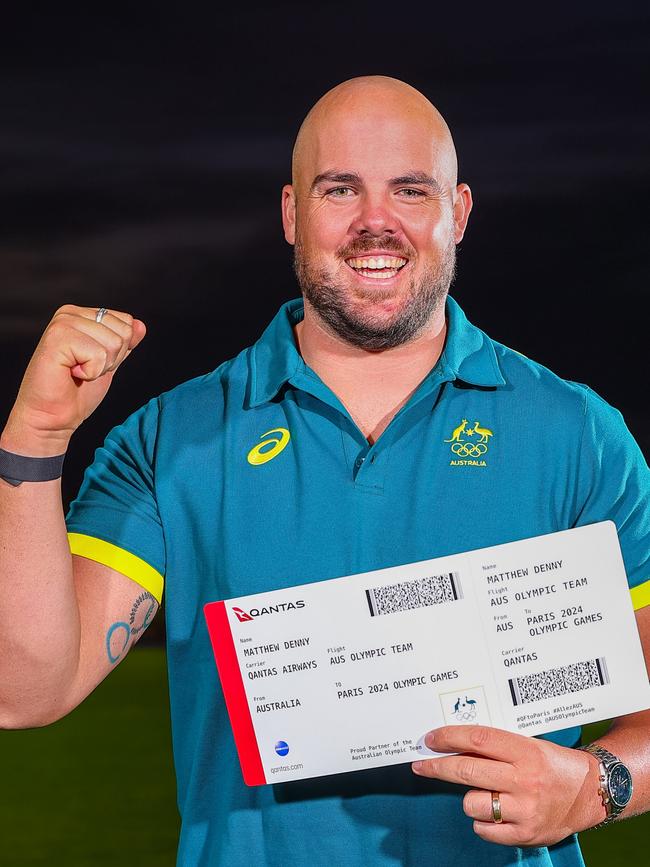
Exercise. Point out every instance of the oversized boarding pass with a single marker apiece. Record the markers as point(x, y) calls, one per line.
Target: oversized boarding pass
point(348, 673)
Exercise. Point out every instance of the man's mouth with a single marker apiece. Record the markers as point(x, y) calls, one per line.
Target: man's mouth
point(377, 267)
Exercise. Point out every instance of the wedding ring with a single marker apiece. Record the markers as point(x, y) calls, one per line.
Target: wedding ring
point(496, 808)
point(100, 314)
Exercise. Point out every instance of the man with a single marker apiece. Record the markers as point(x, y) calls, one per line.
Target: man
point(323, 450)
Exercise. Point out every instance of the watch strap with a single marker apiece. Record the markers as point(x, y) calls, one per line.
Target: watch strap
point(16, 469)
point(606, 760)
point(601, 753)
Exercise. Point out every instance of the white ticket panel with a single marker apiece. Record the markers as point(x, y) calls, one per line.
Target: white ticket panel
point(530, 636)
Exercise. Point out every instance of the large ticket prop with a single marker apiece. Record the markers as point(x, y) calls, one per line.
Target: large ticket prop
point(349, 673)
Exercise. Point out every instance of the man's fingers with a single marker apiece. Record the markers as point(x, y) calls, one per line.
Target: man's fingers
point(91, 313)
point(478, 805)
point(131, 334)
point(483, 740)
point(507, 833)
point(139, 331)
point(118, 320)
point(113, 338)
point(122, 323)
point(117, 334)
point(469, 771)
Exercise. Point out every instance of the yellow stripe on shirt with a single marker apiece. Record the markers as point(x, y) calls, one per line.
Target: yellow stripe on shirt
point(117, 558)
point(641, 595)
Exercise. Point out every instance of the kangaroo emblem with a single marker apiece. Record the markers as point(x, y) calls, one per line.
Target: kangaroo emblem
point(455, 437)
point(483, 432)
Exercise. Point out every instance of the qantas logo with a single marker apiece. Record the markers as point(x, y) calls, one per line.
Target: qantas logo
point(281, 607)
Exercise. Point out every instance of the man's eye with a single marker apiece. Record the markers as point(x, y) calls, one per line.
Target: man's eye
point(411, 194)
point(340, 192)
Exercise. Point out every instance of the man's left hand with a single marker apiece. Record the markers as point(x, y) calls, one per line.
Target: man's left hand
point(546, 791)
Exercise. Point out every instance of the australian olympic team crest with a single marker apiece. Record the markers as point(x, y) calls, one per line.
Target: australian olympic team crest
point(469, 445)
point(465, 707)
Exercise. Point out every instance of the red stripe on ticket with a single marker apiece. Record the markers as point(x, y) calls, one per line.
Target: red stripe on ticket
point(225, 654)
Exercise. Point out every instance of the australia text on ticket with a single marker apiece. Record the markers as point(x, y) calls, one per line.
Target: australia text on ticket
point(530, 636)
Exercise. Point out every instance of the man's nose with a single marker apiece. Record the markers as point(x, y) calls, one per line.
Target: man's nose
point(374, 217)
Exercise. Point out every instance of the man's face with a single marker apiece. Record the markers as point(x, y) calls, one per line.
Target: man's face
point(375, 232)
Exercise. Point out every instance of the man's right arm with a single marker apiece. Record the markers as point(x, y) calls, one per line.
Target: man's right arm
point(65, 621)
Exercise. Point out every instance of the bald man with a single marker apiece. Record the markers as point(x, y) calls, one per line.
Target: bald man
point(374, 177)
point(332, 446)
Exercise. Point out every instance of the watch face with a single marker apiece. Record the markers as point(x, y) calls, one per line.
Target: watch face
point(620, 785)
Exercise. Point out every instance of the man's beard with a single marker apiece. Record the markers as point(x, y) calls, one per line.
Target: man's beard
point(424, 297)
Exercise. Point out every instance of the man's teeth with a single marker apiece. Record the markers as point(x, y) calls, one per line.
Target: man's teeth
point(377, 267)
point(385, 274)
point(375, 263)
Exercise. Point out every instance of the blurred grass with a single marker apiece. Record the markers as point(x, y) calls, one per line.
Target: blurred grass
point(98, 787)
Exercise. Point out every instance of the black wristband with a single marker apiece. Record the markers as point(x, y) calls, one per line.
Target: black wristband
point(16, 469)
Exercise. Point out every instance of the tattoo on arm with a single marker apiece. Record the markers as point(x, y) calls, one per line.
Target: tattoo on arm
point(120, 633)
point(144, 608)
point(117, 638)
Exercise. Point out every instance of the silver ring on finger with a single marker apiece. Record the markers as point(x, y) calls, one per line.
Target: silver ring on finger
point(496, 808)
point(100, 314)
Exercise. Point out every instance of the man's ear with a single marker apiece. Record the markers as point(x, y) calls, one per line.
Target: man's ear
point(289, 213)
point(462, 207)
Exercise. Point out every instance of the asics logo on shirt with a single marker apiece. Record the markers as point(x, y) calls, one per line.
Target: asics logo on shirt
point(256, 456)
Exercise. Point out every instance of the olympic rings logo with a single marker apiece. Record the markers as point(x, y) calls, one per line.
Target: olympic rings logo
point(256, 456)
point(465, 715)
point(468, 450)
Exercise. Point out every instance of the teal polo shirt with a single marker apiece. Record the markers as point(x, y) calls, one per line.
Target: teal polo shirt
point(254, 477)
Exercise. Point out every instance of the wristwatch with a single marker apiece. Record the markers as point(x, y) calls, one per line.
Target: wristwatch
point(615, 782)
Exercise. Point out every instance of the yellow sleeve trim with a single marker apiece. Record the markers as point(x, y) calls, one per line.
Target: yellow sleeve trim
point(117, 558)
point(641, 595)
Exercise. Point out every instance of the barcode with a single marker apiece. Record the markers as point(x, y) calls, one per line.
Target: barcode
point(559, 681)
point(420, 593)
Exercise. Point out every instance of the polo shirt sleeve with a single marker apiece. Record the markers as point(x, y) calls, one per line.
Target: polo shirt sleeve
point(614, 483)
point(114, 519)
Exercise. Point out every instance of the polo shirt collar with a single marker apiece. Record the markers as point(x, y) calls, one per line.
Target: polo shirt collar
point(469, 353)
point(274, 359)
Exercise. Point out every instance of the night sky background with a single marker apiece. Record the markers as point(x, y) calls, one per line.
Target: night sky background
point(142, 155)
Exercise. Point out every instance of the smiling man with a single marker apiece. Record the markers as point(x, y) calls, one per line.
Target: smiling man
point(380, 213)
point(330, 447)
point(375, 213)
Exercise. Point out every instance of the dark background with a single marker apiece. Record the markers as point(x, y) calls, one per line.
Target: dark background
point(142, 153)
